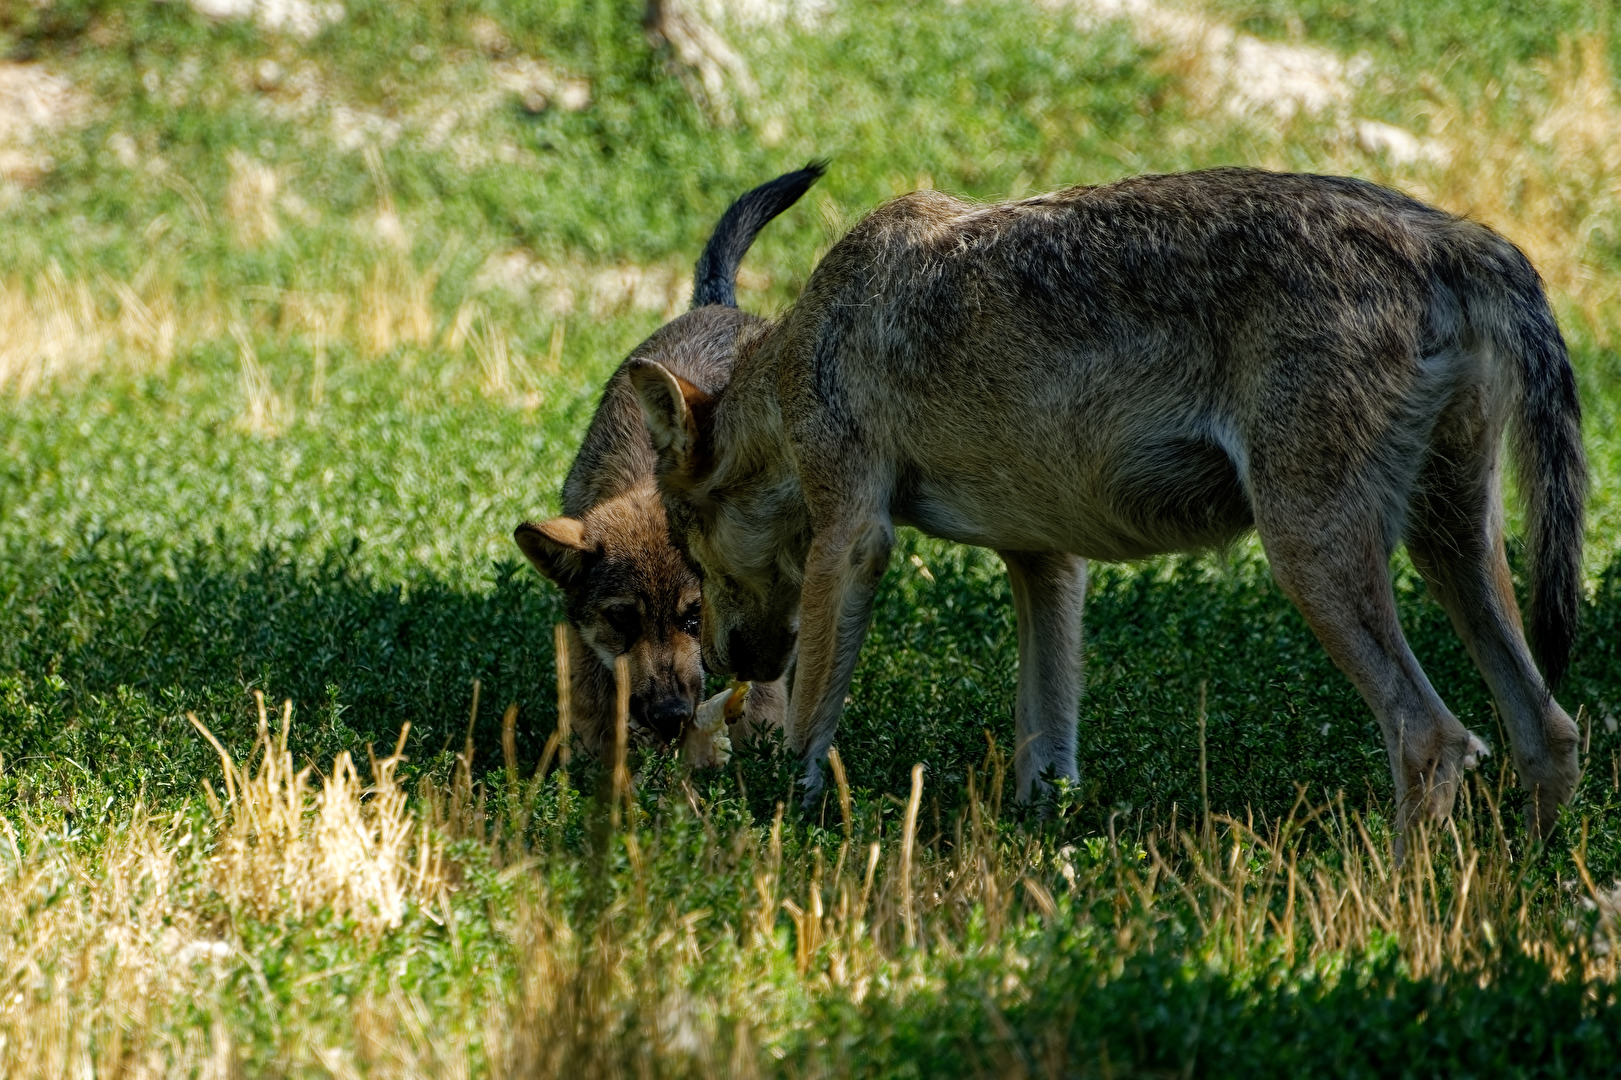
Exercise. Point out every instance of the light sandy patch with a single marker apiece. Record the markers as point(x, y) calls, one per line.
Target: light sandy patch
point(33, 99)
point(539, 85)
point(300, 94)
point(449, 114)
point(766, 13)
point(1248, 77)
point(300, 18)
point(356, 129)
point(489, 37)
point(601, 291)
point(1242, 73)
point(454, 118)
point(661, 288)
point(1398, 145)
point(34, 102)
point(711, 68)
point(125, 150)
point(303, 96)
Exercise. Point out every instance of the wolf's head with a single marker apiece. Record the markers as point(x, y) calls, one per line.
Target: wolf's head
point(629, 593)
point(736, 510)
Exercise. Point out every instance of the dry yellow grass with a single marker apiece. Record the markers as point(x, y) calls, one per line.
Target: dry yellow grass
point(361, 855)
point(53, 328)
point(264, 411)
point(395, 306)
point(505, 374)
point(109, 954)
point(1550, 179)
point(1546, 176)
point(250, 200)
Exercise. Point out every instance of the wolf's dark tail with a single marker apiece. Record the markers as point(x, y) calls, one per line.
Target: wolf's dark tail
point(1546, 433)
point(715, 279)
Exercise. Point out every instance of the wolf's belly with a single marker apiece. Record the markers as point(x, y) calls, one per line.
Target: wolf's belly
point(1174, 495)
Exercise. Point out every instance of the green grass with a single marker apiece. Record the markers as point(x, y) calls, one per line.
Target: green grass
point(1466, 43)
point(161, 555)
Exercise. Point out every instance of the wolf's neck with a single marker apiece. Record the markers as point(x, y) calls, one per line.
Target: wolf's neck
point(751, 443)
point(749, 429)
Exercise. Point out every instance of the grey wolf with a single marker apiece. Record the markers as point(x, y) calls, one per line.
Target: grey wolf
point(627, 590)
point(1154, 365)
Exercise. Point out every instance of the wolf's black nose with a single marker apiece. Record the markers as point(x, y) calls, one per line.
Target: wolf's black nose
point(668, 716)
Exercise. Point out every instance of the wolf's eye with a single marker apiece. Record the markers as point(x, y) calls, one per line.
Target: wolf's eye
point(624, 621)
point(690, 621)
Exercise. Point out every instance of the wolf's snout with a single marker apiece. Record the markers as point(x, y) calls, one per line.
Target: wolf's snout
point(668, 715)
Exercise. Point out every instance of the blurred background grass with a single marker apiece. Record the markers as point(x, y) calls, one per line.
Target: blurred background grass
point(303, 307)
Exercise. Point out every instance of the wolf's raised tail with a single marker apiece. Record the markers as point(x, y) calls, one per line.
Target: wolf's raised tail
point(715, 279)
point(1507, 304)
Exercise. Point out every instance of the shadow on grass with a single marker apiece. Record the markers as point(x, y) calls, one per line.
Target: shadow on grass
point(105, 647)
point(1087, 1013)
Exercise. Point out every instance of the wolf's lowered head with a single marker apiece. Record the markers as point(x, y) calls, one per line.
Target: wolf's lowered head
point(628, 593)
point(745, 513)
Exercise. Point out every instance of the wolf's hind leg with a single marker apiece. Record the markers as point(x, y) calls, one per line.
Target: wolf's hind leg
point(1049, 594)
point(1333, 562)
point(1455, 537)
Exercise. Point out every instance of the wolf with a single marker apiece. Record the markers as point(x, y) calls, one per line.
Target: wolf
point(626, 588)
point(1154, 365)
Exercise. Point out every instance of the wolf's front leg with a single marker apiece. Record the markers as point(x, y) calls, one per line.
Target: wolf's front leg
point(1049, 593)
point(764, 710)
point(842, 572)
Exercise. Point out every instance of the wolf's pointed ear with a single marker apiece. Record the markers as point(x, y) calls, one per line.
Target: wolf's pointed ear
point(558, 548)
point(674, 409)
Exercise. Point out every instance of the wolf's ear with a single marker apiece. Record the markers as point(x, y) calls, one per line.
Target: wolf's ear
point(558, 548)
point(675, 410)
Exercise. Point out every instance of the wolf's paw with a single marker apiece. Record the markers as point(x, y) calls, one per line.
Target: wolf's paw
point(1475, 751)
